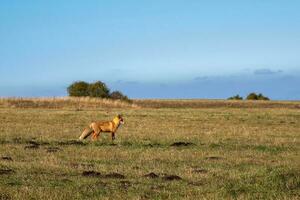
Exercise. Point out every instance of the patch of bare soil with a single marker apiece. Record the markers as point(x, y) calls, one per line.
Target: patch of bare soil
point(32, 146)
point(181, 144)
point(8, 158)
point(166, 177)
point(213, 158)
point(53, 149)
point(151, 175)
point(153, 145)
point(172, 178)
point(91, 173)
point(71, 142)
point(6, 171)
point(33, 142)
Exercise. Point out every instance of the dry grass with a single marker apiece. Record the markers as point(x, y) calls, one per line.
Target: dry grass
point(94, 103)
point(65, 102)
point(202, 103)
point(195, 153)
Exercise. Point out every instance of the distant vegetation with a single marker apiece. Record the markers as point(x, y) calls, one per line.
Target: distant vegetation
point(77, 103)
point(251, 96)
point(254, 96)
point(236, 97)
point(96, 89)
point(118, 95)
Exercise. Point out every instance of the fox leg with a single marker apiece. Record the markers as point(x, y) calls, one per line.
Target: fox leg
point(95, 135)
point(112, 136)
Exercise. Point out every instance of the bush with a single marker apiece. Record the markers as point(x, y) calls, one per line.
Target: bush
point(262, 97)
point(118, 95)
point(78, 89)
point(254, 96)
point(98, 89)
point(236, 97)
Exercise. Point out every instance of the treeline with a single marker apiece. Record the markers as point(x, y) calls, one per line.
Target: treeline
point(96, 89)
point(251, 96)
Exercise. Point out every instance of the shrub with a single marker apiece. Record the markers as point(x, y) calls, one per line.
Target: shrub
point(262, 97)
point(236, 97)
point(254, 96)
point(118, 95)
point(78, 89)
point(98, 89)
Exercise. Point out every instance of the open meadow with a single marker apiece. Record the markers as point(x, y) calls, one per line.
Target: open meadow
point(167, 149)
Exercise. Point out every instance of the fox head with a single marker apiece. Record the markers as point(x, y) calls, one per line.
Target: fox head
point(118, 119)
point(121, 120)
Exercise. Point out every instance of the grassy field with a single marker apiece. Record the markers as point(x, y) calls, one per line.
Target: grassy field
point(195, 149)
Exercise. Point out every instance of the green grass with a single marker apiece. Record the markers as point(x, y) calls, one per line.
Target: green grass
point(230, 153)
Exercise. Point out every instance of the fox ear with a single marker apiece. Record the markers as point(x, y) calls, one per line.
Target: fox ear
point(119, 116)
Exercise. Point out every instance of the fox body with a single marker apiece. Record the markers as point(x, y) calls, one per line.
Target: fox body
point(97, 127)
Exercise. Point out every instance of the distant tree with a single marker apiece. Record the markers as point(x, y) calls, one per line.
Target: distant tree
point(236, 97)
point(254, 96)
point(98, 89)
point(118, 95)
point(262, 97)
point(78, 89)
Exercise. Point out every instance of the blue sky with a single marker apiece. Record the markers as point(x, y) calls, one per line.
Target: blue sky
point(151, 49)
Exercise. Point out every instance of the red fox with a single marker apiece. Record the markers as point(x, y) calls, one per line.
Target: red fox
point(107, 126)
